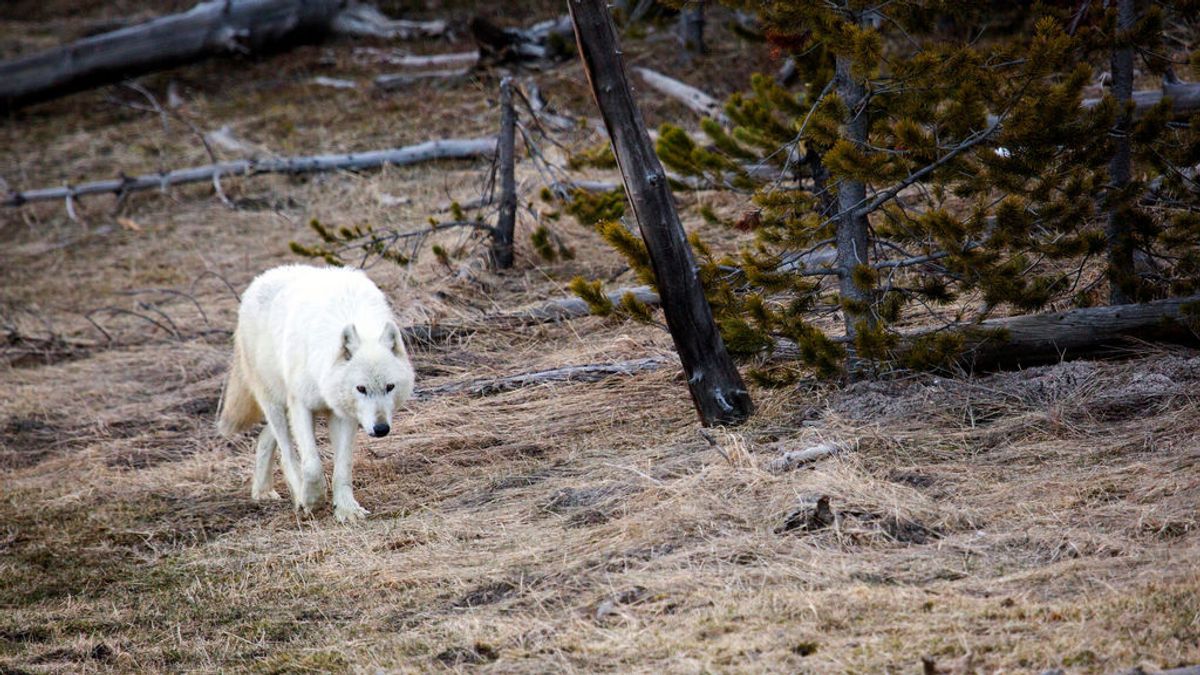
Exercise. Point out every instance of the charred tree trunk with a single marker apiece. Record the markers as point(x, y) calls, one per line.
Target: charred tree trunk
point(502, 238)
point(715, 384)
point(208, 29)
point(1120, 169)
point(852, 235)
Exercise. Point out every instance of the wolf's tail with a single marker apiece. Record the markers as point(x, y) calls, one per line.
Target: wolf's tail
point(239, 409)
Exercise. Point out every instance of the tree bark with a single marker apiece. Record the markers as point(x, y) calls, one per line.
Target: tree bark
point(852, 234)
point(716, 386)
point(1120, 168)
point(502, 238)
point(210, 28)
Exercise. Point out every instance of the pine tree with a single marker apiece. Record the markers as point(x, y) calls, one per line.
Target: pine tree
point(953, 176)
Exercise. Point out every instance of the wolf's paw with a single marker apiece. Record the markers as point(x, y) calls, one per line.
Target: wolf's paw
point(312, 492)
point(349, 512)
point(267, 496)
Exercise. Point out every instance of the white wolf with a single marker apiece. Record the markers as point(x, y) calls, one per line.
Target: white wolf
point(313, 341)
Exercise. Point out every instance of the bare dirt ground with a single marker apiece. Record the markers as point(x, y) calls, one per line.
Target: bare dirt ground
point(1015, 522)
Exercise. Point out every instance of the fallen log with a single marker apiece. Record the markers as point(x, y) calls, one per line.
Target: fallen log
point(413, 154)
point(566, 309)
point(211, 28)
point(465, 59)
point(716, 386)
point(695, 99)
point(366, 20)
point(1042, 339)
point(563, 309)
point(1185, 98)
point(583, 373)
point(1038, 339)
point(403, 80)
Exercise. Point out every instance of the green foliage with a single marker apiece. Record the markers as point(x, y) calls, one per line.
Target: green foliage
point(592, 292)
point(363, 241)
point(987, 181)
point(442, 255)
point(590, 208)
point(630, 246)
point(541, 243)
point(598, 156)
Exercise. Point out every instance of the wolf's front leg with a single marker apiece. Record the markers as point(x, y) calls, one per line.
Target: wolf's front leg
point(312, 478)
point(341, 433)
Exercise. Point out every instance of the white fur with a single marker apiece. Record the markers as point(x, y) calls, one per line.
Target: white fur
point(307, 339)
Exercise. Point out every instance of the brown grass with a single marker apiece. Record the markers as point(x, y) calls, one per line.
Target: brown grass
point(1007, 523)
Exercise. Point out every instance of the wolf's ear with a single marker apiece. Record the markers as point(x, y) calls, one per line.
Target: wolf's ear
point(350, 342)
point(391, 340)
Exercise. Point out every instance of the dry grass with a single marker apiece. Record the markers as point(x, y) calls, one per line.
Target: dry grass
point(1007, 523)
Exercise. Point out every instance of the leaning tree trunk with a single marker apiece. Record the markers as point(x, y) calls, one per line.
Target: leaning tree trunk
point(209, 28)
point(502, 238)
point(715, 384)
point(852, 235)
point(1120, 169)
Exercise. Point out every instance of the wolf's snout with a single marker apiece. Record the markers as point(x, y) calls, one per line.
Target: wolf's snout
point(380, 430)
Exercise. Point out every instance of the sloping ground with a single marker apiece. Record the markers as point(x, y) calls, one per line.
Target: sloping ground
point(1014, 522)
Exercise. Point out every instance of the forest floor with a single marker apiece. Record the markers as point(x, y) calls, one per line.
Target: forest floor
point(1018, 521)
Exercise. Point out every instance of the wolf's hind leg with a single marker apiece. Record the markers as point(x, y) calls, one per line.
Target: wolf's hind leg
point(277, 422)
point(264, 466)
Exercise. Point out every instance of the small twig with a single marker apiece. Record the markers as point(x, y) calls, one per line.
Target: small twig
point(716, 446)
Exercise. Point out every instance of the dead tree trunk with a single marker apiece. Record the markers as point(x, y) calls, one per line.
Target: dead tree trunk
point(1120, 167)
point(716, 386)
point(208, 29)
point(502, 238)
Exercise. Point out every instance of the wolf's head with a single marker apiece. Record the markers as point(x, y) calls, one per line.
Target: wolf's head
point(370, 378)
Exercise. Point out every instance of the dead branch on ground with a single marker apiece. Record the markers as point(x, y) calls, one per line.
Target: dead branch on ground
point(413, 154)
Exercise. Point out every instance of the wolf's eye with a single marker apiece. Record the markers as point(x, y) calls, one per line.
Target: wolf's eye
point(390, 387)
point(361, 389)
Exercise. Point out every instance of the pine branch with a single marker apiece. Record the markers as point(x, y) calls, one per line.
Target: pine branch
point(887, 195)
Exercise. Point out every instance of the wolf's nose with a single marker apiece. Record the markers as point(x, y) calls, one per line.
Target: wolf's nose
point(381, 430)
